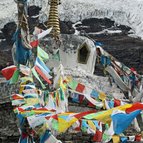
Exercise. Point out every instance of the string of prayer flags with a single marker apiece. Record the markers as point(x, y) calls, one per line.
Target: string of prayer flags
point(122, 139)
point(90, 94)
point(43, 70)
point(105, 116)
point(39, 63)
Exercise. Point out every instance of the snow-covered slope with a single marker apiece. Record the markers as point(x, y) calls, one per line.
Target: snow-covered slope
point(126, 12)
point(7, 11)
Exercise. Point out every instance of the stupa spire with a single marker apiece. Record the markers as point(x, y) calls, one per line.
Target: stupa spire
point(53, 20)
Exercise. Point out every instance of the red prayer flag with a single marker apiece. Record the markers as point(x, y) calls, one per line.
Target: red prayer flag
point(81, 98)
point(34, 43)
point(138, 138)
point(17, 97)
point(8, 72)
point(90, 104)
point(135, 106)
point(117, 102)
point(79, 127)
point(80, 88)
point(98, 136)
point(42, 75)
point(80, 115)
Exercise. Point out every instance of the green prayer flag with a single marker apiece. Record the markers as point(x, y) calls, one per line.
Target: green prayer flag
point(30, 113)
point(56, 56)
point(46, 96)
point(106, 138)
point(17, 102)
point(42, 54)
point(15, 77)
point(73, 84)
point(93, 115)
point(55, 125)
point(106, 126)
point(37, 77)
point(84, 129)
point(61, 94)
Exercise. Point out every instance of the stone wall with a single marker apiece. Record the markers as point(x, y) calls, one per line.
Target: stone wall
point(8, 126)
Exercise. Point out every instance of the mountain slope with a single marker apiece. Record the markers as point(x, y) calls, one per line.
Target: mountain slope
point(126, 12)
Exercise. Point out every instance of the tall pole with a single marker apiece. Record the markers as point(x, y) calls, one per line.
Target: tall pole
point(53, 20)
point(23, 22)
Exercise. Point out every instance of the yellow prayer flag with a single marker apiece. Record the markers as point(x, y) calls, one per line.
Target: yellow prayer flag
point(91, 125)
point(102, 96)
point(61, 84)
point(116, 139)
point(64, 125)
point(25, 79)
point(32, 101)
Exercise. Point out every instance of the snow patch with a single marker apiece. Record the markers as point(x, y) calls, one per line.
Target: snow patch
point(106, 31)
point(74, 27)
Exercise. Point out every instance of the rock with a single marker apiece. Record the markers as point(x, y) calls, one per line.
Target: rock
point(33, 10)
point(8, 31)
point(66, 27)
point(33, 19)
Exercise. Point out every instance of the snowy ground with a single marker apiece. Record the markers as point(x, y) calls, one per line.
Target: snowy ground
point(126, 12)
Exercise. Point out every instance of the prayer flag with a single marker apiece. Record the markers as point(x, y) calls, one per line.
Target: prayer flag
point(42, 54)
point(121, 121)
point(8, 72)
